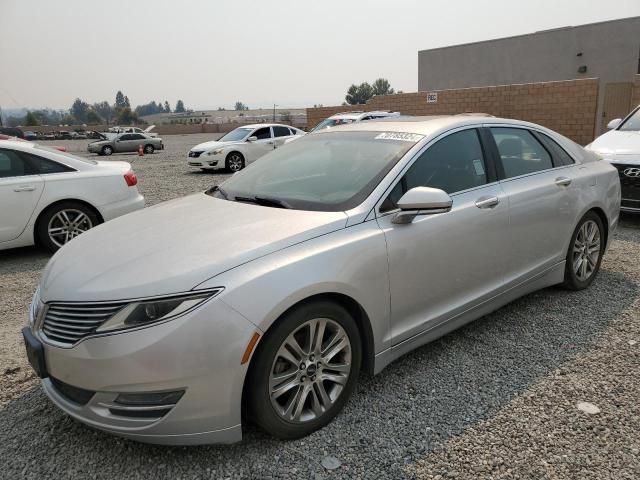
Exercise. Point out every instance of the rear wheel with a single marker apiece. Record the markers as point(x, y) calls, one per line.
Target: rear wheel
point(107, 150)
point(148, 149)
point(304, 370)
point(63, 222)
point(585, 252)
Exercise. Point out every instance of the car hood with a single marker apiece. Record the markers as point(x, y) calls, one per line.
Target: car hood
point(617, 142)
point(213, 144)
point(174, 246)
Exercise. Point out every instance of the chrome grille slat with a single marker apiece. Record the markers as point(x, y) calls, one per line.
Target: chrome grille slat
point(66, 324)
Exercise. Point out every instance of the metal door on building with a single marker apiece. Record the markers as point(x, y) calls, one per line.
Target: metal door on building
point(617, 102)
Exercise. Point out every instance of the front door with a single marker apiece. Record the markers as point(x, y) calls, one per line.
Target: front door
point(263, 144)
point(443, 264)
point(20, 191)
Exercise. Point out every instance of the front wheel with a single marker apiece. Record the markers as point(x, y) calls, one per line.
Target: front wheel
point(235, 162)
point(107, 150)
point(148, 149)
point(585, 253)
point(304, 370)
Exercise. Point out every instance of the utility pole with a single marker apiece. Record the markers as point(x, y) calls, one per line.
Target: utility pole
point(1, 124)
point(274, 113)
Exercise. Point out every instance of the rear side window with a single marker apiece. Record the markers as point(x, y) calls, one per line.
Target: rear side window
point(560, 156)
point(281, 131)
point(520, 152)
point(126, 136)
point(44, 166)
point(12, 165)
point(136, 136)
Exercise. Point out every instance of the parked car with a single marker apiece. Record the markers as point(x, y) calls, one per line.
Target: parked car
point(30, 136)
point(12, 132)
point(146, 131)
point(126, 142)
point(49, 197)
point(348, 248)
point(78, 135)
point(351, 117)
point(7, 137)
point(621, 146)
point(241, 146)
point(63, 135)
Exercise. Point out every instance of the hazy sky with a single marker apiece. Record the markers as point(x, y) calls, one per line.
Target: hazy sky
point(212, 53)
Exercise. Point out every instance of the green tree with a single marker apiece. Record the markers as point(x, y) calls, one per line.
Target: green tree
point(167, 108)
point(120, 100)
point(179, 107)
point(104, 110)
point(30, 120)
point(239, 107)
point(79, 110)
point(382, 87)
point(93, 118)
point(126, 116)
point(359, 94)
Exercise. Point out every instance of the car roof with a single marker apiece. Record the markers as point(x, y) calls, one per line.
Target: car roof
point(258, 125)
point(426, 125)
point(17, 144)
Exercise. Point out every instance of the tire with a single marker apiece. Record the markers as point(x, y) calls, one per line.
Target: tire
point(107, 150)
point(277, 415)
point(234, 162)
point(582, 264)
point(53, 220)
point(148, 149)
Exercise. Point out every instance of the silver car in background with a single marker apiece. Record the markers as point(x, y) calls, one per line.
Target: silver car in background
point(343, 251)
point(125, 142)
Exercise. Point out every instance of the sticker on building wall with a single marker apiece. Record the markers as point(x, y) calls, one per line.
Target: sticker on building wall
point(432, 97)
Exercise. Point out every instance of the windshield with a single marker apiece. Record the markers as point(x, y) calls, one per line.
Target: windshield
point(632, 122)
point(236, 135)
point(333, 171)
point(332, 122)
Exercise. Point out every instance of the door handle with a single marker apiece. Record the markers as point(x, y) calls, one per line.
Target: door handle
point(24, 188)
point(563, 181)
point(487, 202)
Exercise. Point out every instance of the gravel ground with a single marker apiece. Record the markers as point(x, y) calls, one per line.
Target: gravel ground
point(496, 399)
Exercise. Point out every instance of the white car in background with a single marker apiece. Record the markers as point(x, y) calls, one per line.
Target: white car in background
point(241, 146)
point(352, 117)
point(146, 131)
point(48, 197)
point(621, 147)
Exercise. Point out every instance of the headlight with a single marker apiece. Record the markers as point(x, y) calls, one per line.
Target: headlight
point(154, 310)
point(215, 152)
point(34, 307)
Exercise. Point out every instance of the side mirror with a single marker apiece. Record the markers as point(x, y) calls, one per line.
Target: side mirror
point(253, 138)
point(421, 201)
point(614, 123)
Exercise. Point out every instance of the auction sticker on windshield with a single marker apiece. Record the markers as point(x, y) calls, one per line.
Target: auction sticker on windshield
point(407, 137)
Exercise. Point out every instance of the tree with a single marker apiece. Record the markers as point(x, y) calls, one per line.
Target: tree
point(104, 110)
point(120, 100)
point(126, 116)
point(359, 94)
point(382, 87)
point(30, 120)
point(240, 107)
point(93, 118)
point(179, 107)
point(167, 108)
point(79, 110)
point(126, 102)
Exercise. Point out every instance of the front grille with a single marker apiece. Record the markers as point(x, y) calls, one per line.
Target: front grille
point(195, 154)
point(68, 323)
point(630, 186)
point(71, 393)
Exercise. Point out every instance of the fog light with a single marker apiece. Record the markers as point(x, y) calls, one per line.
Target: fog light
point(149, 399)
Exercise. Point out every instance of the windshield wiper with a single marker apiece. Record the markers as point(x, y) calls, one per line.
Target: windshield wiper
point(264, 201)
point(216, 188)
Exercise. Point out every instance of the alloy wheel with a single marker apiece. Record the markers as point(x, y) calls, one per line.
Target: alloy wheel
point(235, 163)
point(68, 224)
point(586, 250)
point(310, 370)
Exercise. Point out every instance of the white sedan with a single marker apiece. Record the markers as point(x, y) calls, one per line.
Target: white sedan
point(49, 197)
point(621, 146)
point(241, 146)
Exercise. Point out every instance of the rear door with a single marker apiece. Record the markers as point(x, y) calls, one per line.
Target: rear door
point(20, 190)
point(280, 134)
point(263, 144)
point(542, 189)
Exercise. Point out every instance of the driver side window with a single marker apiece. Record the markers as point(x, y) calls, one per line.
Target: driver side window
point(452, 164)
point(262, 133)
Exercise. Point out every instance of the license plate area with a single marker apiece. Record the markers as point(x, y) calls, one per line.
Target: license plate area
point(35, 353)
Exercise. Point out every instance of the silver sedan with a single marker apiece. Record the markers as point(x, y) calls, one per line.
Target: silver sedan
point(126, 142)
point(342, 251)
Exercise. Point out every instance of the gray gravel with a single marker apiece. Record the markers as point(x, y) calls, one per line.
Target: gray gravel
point(496, 399)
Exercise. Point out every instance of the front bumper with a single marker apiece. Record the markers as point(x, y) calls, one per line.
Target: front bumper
point(204, 161)
point(198, 353)
point(630, 186)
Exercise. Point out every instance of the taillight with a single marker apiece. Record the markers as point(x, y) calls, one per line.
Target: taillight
point(130, 178)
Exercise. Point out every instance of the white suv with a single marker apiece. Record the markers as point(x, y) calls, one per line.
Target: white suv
point(351, 117)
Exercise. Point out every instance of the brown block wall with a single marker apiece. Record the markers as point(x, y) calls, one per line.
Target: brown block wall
point(568, 107)
point(635, 97)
